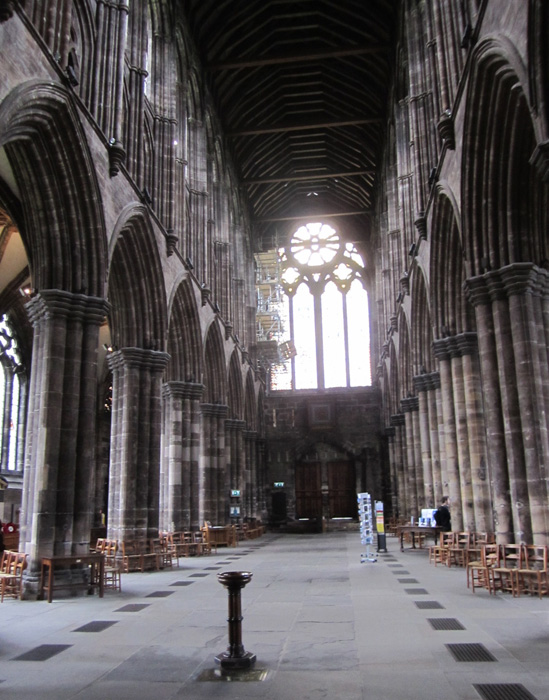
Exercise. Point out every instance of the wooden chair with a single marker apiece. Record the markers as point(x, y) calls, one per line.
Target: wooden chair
point(438, 553)
point(505, 573)
point(172, 541)
point(532, 574)
point(12, 566)
point(479, 571)
point(207, 542)
point(131, 555)
point(112, 576)
point(99, 545)
point(457, 551)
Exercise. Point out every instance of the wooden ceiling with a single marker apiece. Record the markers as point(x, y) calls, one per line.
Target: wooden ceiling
point(301, 88)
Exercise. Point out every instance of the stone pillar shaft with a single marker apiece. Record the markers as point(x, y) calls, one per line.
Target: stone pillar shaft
point(176, 474)
point(398, 421)
point(134, 478)
point(450, 468)
point(58, 484)
point(512, 303)
point(212, 472)
point(409, 405)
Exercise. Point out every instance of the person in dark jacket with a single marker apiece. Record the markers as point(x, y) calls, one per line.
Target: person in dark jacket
point(442, 515)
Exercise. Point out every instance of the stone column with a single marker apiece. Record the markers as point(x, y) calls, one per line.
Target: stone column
point(464, 462)
point(510, 303)
point(261, 487)
point(526, 286)
point(427, 496)
point(399, 453)
point(409, 406)
point(390, 434)
point(449, 467)
point(235, 467)
point(476, 433)
point(176, 488)
point(213, 490)
point(433, 386)
point(134, 477)
point(250, 437)
point(57, 500)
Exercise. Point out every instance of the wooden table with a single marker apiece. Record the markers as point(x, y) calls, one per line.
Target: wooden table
point(413, 529)
point(95, 561)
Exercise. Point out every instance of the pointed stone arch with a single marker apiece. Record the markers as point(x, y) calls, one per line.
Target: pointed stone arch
point(215, 381)
point(136, 285)
point(235, 399)
point(251, 416)
point(502, 193)
point(451, 313)
point(506, 243)
point(184, 336)
point(63, 224)
point(422, 334)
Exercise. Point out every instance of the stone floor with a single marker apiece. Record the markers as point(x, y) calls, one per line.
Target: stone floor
point(323, 626)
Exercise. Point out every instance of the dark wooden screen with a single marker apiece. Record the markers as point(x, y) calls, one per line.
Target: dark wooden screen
point(308, 495)
point(342, 489)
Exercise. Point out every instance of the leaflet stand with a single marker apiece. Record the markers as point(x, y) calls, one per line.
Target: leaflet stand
point(366, 526)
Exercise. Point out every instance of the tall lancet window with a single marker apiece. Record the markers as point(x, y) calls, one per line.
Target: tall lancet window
point(11, 397)
point(328, 334)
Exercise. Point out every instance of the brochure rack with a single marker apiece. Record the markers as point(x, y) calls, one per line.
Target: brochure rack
point(366, 526)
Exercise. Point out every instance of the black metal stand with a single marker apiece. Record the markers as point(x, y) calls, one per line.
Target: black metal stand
point(235, 658)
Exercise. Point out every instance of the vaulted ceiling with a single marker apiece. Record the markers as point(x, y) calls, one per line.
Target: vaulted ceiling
point(301, 88)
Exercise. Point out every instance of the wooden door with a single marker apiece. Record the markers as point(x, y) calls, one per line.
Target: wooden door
point(308, 495)
point(342, 489)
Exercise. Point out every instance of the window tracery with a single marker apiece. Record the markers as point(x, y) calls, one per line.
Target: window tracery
point(323, 278)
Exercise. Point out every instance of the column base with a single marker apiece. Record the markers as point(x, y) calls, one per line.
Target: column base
point(226, 661)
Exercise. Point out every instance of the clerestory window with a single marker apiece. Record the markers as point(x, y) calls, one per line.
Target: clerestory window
point(11, 399)
point(325, 311)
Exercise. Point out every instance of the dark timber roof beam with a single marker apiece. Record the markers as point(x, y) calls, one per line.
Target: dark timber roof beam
point(305, 178)
point(316, 215)
point(299, 58)
point(251, 131)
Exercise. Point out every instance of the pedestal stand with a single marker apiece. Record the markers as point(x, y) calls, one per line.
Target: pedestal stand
point(235, 658)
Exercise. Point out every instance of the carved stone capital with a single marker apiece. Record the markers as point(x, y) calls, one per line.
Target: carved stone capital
point(117, 157)
point(455, 346)
point(427, 382)
point(206, 293)
point(171, 242)
point(182, 390)
point(421, 224)
point(409, 404)
point(445, 128)
point(57, 302)
point(151, 360)
point(397, 419)
point(517, 278)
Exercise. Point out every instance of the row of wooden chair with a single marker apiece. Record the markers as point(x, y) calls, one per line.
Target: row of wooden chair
point(12, 565)
point(251, 530)
point(188, 543)
point(513, 568)
point(458, 548)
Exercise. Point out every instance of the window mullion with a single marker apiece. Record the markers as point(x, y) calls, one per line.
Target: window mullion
point(292, 336)
point(346, 339)
point(319, 341)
